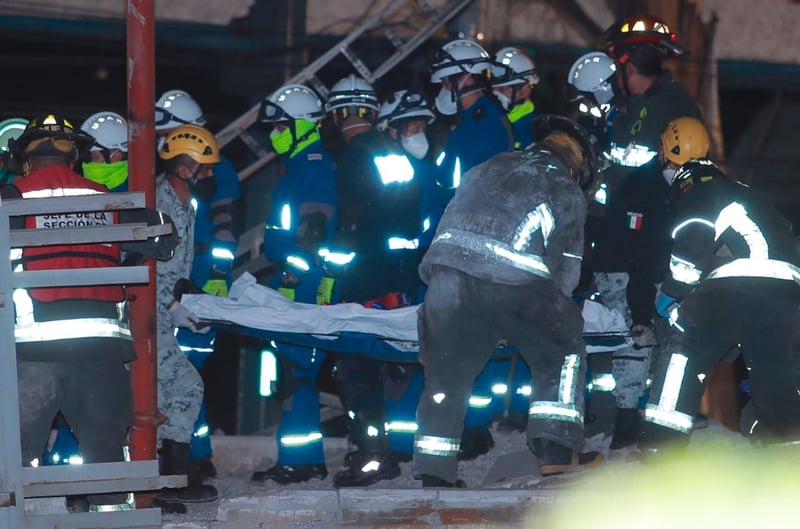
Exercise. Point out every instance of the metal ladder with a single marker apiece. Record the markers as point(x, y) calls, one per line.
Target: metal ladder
point(434, 18)
point(18, 483)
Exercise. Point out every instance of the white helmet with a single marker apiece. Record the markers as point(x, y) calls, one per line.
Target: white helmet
point(352, 91)
point(404, 104)
point(591, 75)
point(513, 67)
point(109, 130)
point(292, 101)
point(11, 129)
point(459, 56)
point(175, 108)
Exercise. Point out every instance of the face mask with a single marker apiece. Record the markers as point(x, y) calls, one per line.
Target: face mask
point(446, 102)
point(111, 175)
point(203, 189)
point(416, 145)
point(160, 142)
point(669, 174)
point(281, 141)
point(505, 102)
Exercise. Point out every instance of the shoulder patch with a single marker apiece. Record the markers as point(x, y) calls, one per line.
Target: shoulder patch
point(313, 156)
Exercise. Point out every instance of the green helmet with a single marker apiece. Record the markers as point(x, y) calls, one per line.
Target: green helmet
point(11, 128)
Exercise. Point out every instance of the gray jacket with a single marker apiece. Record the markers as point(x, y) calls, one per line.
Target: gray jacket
point(516, 217)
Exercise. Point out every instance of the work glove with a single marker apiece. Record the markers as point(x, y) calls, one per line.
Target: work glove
point(663, 304)
point(184, 286)
point(643, 336)
point(183, 317)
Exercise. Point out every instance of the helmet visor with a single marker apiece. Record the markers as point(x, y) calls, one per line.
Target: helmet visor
point(165, 117)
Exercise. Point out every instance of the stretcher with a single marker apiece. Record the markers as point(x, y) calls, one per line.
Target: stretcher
point(350, 328)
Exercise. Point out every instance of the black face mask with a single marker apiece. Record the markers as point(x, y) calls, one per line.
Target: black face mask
point(203, 189)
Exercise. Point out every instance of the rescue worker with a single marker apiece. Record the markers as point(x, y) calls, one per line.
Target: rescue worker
point(631, 255)
point(378, 229)
point(513, 79)
point(87, 380)
point(462, 68)
point(503, 266)
point(215, 241)
point(108, 158)
point(405, 116)
point(301, 220)
point(733, 280)
point(650, 97)
point(189, 155)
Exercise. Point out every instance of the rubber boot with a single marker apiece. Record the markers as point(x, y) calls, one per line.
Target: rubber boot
point(474, 442)
point(175, 461)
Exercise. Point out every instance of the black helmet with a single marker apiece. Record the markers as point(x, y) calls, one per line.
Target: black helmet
point(691, 173)
point(547, 124)
point(641, 32)
point(64, 138)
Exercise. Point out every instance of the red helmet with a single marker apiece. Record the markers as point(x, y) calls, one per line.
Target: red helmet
point(642, 30)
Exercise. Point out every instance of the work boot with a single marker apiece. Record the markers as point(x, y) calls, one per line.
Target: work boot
point(474, 442)
point(365, 469)
point(175, 461)
point(205, 467)
point(513, 422)
point(285, 474)
point(435, 482)
point(555, 458)
point(626, 428)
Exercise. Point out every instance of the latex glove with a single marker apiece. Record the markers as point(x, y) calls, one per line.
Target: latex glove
point(663, 304)
point(643, 336)
point(216, 287)
point(183, 317)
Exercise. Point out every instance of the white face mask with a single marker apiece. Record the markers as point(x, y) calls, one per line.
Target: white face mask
point(416, 145)
point(669, 175)
point(505, 102)
point(160, 142)
point(446, 102)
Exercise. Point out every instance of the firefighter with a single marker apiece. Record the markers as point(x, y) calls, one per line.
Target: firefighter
point(650, 97)
point(300, 223)
point(513, 79)
point(631, 256)
point(88, 382)
point(503, 266)
point(378, 234)
point(733, 280)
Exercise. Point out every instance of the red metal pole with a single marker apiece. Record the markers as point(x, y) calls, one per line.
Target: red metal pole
point(141, 171)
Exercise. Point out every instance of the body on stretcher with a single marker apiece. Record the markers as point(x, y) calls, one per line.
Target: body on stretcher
point(388, 335)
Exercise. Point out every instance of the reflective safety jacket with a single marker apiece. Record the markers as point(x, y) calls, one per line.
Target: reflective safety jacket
point(517, 217)
point(639, 122)
point(379, 197)
point(308, 186)
point(214, 232)
point(61, 181)
point(482, 132)
point(521, 117)
point(724, 229)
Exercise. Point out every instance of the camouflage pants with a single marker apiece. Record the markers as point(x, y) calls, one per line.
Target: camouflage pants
point(180, 391)
point(630, 366)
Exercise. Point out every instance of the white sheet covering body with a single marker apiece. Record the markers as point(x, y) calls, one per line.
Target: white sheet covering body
point(252, 305)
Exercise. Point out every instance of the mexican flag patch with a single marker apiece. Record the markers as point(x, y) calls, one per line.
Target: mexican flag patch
point(634, 220)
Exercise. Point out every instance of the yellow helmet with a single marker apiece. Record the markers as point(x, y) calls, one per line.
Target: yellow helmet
point(684, 139)
point(192, 140)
